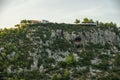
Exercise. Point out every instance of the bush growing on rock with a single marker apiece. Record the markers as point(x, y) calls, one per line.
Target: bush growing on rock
point(70, 60)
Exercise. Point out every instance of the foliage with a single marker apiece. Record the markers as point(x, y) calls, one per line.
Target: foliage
point(66, 74)
point(70, 60)
point(77, 21)
point(62, 64)
point(23, 21)
point(86, 20)
point(108, 24)
point(25, 48)
point(57, 77)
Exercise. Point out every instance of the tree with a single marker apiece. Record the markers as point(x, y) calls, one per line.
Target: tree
point(101, 24)
point(115, 25)
point(85, 20)
point(17, 25)
point(111, 24)
point(90, 21)
point(23, 21)
point(77, 21)
point(29, 21)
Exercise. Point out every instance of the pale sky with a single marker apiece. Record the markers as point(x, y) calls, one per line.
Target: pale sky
point(12, 11)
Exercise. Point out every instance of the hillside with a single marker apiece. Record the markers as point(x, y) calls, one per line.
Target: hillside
point(60, 52)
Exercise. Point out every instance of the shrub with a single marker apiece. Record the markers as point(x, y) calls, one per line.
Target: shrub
point(70, 59)
point(66, 74)
point(62, 64)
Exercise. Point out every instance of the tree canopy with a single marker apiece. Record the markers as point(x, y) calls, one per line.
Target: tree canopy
point(77, 21)
point(86, 20)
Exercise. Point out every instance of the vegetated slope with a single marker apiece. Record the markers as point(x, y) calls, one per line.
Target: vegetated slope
point(60, 52)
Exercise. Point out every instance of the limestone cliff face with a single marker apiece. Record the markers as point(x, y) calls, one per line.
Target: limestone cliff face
point(94, 36)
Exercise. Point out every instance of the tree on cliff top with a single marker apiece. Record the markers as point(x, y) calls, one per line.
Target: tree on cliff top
point(77, 21)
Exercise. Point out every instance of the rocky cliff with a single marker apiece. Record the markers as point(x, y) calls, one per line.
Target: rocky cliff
point(60, 52)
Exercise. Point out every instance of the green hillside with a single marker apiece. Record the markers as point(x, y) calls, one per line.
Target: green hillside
point(55, 51)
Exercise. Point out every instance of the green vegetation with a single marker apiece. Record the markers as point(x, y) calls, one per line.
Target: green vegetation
point(48, 52)
point(99, 24)
point(70, 60)
point(77, 21)
point(64, 76)
point(109, 24)
point(86, 20)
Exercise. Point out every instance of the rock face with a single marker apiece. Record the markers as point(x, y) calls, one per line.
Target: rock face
point(94, 36)
point(49, 51)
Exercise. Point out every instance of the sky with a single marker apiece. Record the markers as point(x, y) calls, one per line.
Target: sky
point(61, 11)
